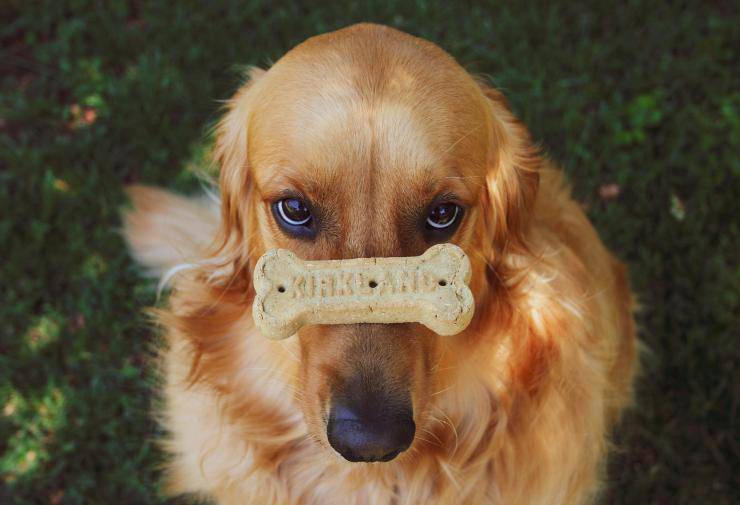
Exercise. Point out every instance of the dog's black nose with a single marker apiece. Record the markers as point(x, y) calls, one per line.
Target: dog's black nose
point(369, 436)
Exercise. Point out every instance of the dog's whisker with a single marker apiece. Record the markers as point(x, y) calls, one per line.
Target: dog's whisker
point(419, 437)
point(466, 135)
point(439, 441)
point(442, 369)
point(442, 390)
point(464, 177)
point(452, 427)
point(289, 351)
point(449, 473)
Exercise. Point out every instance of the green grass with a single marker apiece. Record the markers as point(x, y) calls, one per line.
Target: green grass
point(634, 94)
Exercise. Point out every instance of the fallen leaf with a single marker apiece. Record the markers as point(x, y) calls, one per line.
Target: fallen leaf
point(9, 409)
point(678, 210)
point(81, 116)
point(609, 191)
point(56, 497)
point(78, 322)
point(61, 185)
point(90, 115)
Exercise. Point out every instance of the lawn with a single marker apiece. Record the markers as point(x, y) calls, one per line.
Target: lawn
point(640, 103)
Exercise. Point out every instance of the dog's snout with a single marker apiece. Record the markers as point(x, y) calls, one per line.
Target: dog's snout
point(369, 434)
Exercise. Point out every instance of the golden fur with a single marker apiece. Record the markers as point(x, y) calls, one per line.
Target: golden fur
point(373, 123)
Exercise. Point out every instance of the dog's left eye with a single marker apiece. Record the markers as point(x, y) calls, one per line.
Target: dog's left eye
point(294, 216)
point(442, 216)
point(442, 219)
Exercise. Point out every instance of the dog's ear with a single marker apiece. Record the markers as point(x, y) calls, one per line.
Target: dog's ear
point(231, 152)
point(512, 176)
point(231, 155)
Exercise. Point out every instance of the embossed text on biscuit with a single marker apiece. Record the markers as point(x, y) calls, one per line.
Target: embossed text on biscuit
point(430, 289)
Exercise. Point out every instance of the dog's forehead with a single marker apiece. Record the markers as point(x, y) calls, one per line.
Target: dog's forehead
point(331, 133)
point(368, 107)
point(351, 137)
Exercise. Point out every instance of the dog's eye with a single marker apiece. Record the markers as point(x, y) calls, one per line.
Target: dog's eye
point(442, 219)
point(294, 212)
point(443, 215)
point(294, 216)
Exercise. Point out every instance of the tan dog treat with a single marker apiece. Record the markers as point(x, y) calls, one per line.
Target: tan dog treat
point(430, 289)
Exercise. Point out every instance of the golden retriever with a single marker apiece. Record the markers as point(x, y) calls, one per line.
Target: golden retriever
point(368, 142)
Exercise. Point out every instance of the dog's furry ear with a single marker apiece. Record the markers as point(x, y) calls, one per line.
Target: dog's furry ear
point(231, 155)
point(512, 178)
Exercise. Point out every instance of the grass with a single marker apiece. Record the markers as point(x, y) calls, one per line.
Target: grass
point(637, 99)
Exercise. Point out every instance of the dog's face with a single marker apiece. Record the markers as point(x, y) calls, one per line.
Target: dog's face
point(344, 150)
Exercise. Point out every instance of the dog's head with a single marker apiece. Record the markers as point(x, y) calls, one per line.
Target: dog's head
point(369, 142)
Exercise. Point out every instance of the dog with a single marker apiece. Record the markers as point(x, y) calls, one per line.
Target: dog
point(369, 142)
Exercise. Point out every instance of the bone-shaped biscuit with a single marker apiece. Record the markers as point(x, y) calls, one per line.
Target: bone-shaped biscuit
point(430, 289)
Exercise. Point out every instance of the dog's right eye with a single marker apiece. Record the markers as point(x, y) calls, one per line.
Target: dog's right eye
point(294, 212)
point(294, 217)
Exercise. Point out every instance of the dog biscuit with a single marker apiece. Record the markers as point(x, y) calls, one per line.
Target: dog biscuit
point(430, 289)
